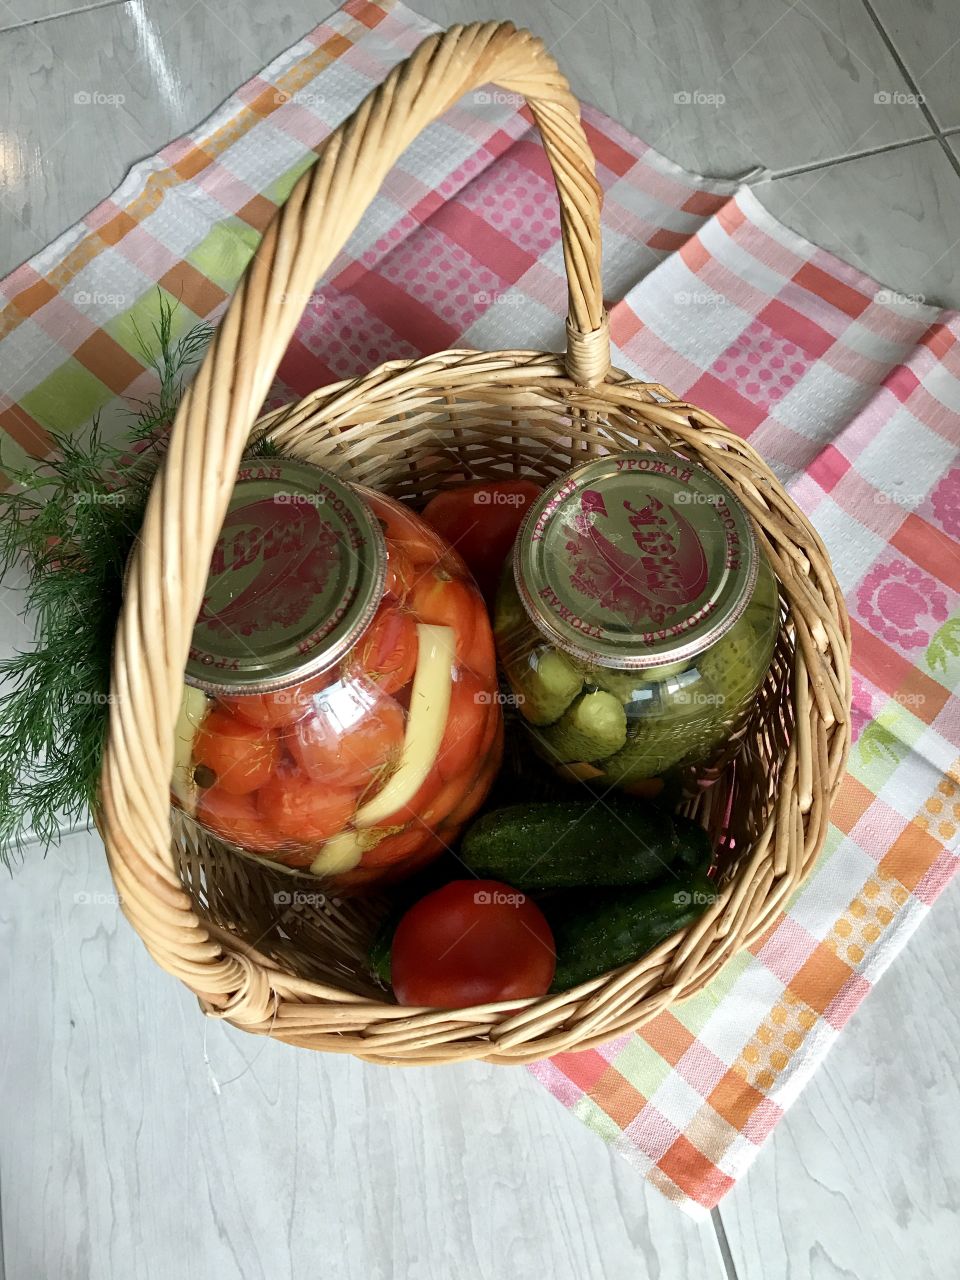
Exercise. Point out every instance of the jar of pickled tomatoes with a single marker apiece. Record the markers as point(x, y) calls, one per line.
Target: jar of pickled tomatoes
point(637, 621)
point(340, 712)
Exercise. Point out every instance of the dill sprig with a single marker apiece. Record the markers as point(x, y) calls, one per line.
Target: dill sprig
point(69, 525)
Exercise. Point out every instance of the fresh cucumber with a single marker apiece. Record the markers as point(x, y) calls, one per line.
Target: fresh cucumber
point(562, 844)
point(603, 929)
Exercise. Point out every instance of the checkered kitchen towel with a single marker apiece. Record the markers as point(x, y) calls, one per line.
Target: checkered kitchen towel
point(851, 392)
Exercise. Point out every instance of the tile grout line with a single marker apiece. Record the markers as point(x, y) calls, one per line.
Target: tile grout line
point(928, 115)
point(720, 1231)
point(50, 17)
point(776, 174)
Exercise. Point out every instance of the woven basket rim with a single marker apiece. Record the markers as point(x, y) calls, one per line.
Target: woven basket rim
point(356, 422)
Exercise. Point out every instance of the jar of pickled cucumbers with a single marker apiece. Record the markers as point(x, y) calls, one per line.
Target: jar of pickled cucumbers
point(340, 712)
point(637, 620)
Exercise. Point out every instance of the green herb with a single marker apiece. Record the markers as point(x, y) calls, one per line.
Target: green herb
point(70, 526)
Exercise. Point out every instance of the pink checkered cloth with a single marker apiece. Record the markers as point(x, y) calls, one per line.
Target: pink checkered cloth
point(850, 391)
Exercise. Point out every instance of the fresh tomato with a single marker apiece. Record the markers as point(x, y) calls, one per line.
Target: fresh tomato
point(447, 602)
point(481, 521)
point(236, 818)
point(275, 710)
point(241, 756)
point(472, 942)
point(350, 736)
point(387, 651)
point(470, 704)
point(302, 810)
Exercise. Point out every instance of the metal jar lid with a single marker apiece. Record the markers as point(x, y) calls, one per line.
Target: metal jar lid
point(635, 560)
point(296, 576)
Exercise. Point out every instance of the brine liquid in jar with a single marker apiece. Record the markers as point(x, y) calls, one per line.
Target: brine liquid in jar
point(340, 712)
point(638, 620)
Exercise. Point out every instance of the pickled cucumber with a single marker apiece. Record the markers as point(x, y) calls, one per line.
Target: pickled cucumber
point(627, 684)
point(655, 744)
point(547, 682)
point(734, 667)
point(593, 728)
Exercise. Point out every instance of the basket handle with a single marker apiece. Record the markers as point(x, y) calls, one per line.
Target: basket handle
point(190, 495)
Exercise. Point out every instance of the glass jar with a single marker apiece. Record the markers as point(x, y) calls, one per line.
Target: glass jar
point(638, 621)
point(340, 711)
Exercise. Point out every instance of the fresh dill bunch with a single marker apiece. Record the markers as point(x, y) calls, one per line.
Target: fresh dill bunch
point(69, 525)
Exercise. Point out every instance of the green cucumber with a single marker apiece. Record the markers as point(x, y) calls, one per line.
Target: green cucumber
point(545, 683)
point(558, 845)
point(603, 929)
point(594, 727)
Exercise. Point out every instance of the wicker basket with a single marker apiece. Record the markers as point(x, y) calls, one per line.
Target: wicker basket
point(256, 951)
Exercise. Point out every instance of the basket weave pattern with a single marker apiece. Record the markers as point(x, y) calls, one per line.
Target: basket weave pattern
point(237, 932)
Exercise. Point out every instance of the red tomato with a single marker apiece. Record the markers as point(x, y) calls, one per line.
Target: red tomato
point(387, 652)
point(418, 541)
point(470, 702)
point(400, 572)
point(274, 710)
point(302, 810)
point(482, 656)
point(480, 521)
point(475, 797)
point(349, 737)
point(447, 602)
point(241, 756)
point(472, 942)
point(236, 818)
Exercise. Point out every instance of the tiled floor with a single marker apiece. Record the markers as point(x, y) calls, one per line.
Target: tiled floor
point(166, 1146)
